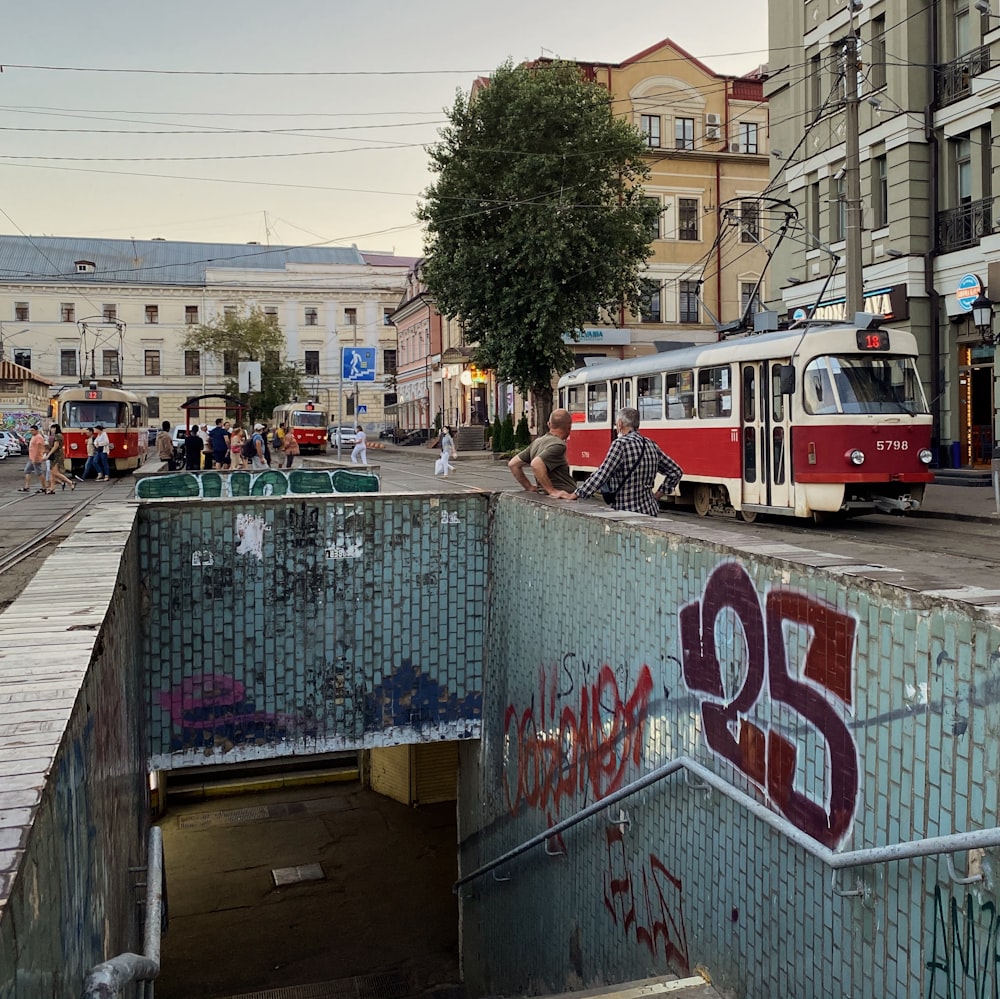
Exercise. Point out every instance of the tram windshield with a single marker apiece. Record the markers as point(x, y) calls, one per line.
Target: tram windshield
point(308, 418)
point(862, 384)
point(81, 413)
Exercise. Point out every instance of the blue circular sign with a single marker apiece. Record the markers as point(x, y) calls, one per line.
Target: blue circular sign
point(968, 290)
point(799, 314)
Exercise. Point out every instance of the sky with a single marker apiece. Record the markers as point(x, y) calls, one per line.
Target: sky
point(299, 122)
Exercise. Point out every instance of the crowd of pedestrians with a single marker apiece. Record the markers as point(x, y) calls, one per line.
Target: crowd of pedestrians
point(228, 447)
point(45, 462)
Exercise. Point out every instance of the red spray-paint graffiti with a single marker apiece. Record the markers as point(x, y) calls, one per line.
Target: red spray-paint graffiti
point(555, 751)
point(656, 917)
point(764, 754)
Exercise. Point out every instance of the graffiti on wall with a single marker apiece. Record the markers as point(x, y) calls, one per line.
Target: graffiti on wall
point(562, 745)
point(271, 482)
point(648, 905)
point(964, 958)
point(791, 662)
point(411, 697)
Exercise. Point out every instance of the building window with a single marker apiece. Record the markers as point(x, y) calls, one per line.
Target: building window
point(67, 311)
point(230, 363)
point(21, 312)
point(387, 317)
point(816, 83)
point(271, 313)
point(153, 406)
point(749, 298)
point(963, 29)
point(351, 317)
point(67, 363)
point(749, 222)
point(192, 362)
point(649, 301)
point(191, 315)
point(23, 357)
point(880, 193)
point(814, 209)
point(687, 218)
point(312, 317)
point(152, 313)
point(684, 133)
point(152, 362)
point(649, 125)
point(389, 362)
point(748, 137)
point(85, 267)
point(110, 312)
point(654, 227)
point(109, 363)
point(312, 362)
point(963, 170)
point(876, 71)
point(688, 302)
point(838, 215)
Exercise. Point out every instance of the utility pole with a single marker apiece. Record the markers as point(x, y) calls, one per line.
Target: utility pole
point(853, 268)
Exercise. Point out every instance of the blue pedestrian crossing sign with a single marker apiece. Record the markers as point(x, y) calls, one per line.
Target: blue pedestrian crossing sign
point(358, 364)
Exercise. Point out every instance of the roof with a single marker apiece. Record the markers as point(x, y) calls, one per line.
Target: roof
point(11, 372)
point(159, 261)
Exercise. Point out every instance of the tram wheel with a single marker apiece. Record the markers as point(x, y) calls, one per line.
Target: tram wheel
point(749, 516)
point(702, 499)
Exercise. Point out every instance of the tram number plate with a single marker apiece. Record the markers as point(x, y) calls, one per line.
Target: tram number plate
point(892, 445)
point(872, 340)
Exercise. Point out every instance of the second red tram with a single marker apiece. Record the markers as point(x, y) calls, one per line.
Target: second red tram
point(306, 421)
point(804, 422)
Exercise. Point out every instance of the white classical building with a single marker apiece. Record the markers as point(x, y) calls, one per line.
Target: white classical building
point(75, 308)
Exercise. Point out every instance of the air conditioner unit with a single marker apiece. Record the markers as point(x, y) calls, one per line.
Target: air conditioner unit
point(713, 127)
point(713, 119)
point(736, 147)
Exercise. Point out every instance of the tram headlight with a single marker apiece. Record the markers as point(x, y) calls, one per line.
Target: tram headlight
point(74, 446)
point(925, 456)
point(855, 456)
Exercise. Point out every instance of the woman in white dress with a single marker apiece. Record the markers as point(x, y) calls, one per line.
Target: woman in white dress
point(447, 443)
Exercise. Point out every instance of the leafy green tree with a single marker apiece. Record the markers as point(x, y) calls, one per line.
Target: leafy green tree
point(496, 436)
point(536, 221)
point(250, 335)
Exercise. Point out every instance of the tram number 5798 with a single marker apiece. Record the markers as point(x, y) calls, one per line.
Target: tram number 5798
point(892, 445)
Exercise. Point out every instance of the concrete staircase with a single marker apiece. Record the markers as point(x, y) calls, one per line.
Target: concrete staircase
point(469, 439)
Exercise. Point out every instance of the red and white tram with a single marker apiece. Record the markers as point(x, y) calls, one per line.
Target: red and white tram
point(122, 414)
point(307, 421)
point(805, 422)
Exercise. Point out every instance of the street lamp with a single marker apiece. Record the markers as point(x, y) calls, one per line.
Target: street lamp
point(982, 317)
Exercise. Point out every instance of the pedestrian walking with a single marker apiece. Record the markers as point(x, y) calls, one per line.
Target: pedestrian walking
point(36, 462)
point(261, 457)
point(360, 451)
point(218, 437)
point(193, 448)
point(290, 447)
point(102, 444)
point(165, 447)
point(237, 438)
point(55, 458)
point(447, 444)
point(206, 446)
point(91, 463)
point(628, 472)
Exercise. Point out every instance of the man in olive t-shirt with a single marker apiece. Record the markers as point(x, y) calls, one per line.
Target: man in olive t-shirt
point(546, 457)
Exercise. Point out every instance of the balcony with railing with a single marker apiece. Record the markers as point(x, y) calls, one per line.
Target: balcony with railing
point(964, 226)
point(953, 80)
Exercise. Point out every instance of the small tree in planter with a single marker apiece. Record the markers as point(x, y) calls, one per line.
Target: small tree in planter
point(507, 434)
point(522, 436)
point(496, 436)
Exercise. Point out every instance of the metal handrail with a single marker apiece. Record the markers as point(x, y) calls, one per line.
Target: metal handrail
point(109, 978)
point(952, 843)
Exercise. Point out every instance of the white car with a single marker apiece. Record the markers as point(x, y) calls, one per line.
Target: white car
point(346, 434)
point(9, 444)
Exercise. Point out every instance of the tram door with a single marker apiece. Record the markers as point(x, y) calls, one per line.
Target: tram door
point(764, 435)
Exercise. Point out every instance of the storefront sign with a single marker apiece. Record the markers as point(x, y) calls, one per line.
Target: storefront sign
point(890, 303)
point(599, 335)
point(968, 290)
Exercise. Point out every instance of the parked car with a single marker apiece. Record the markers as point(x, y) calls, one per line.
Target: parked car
point(179, 433)
point(345, 433)
point(10, 443)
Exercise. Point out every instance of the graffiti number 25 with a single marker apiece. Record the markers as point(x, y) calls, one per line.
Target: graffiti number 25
point(765, 755)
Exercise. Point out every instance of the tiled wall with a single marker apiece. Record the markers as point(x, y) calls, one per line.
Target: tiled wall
point(309, 624)
point(270, 482)
point(863, 714)
point(73, 800)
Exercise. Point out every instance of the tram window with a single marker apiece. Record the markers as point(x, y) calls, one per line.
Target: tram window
point(573, 399)
point(777, 396)
point(679, 390)
point(750, 453)
point(715, 394)
point(817, 389)
point(650, 392)
point(597, 403)
point(749, 396)
point(778, 455)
